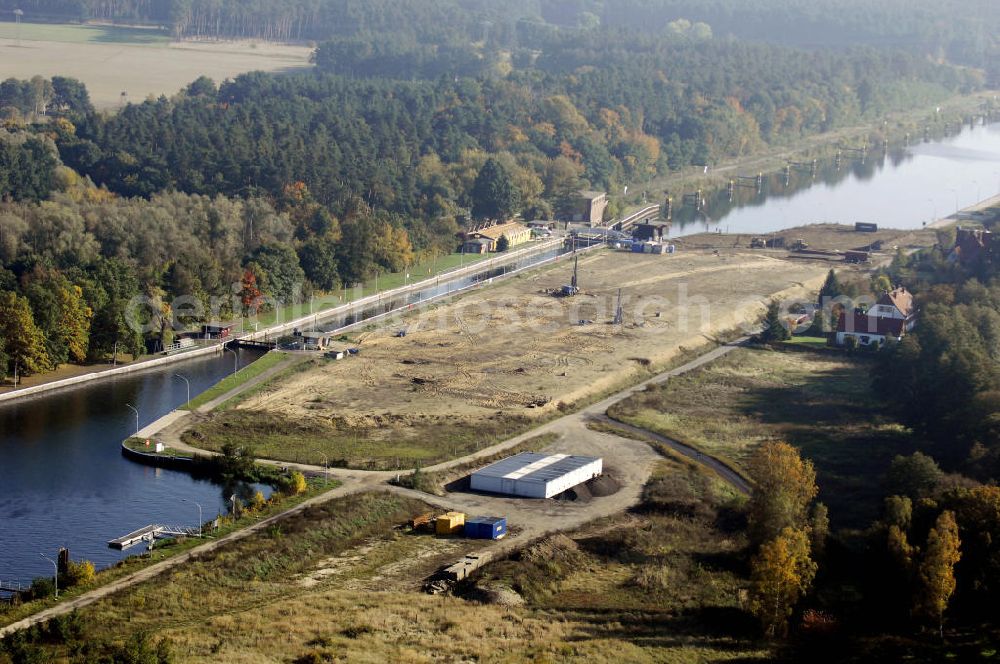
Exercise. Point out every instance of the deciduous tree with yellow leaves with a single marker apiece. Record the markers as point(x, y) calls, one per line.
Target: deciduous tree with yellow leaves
point(781, 572)
point(936, 575)
point(784, 485)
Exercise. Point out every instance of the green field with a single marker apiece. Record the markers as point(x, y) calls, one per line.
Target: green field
point(232, 381)
point(417, 444)
point(820, 402)
point(84, 34)
point(383, 283)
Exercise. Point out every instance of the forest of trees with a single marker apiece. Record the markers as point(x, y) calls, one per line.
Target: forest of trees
point(965, 31)
point(419, 113)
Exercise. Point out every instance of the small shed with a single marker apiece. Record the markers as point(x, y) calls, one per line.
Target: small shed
point(314, 340)
point(216, 330)
point(451, 523)
point(864, 227)
point(651, 230)
point(486, 527)
point(335, 353)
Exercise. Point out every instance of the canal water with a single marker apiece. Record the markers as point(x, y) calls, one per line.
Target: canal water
point(63, 481)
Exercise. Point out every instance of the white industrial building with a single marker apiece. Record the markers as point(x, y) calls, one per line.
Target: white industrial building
point(531, 475)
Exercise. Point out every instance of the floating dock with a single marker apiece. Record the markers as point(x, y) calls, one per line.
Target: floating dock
point(149, 534)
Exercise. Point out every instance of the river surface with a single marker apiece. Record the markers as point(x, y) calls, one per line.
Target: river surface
point(906, 188)
point(63, 481)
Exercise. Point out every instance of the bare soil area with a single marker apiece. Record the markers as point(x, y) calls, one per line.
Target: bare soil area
point(503, 359)
point(823, 237)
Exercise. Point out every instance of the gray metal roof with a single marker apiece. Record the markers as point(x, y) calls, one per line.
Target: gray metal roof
point(536, 468)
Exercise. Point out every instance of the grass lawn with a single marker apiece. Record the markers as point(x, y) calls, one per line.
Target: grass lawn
point(85, 34)
point(419, 443)
point(822, 403)
point(804, 341)
point(385, 282)
point(233, 381)
point(139, 445)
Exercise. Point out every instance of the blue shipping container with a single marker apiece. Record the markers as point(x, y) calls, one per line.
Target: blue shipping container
point(486, 527)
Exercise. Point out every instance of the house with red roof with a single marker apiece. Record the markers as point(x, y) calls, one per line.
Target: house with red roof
point(891, 317)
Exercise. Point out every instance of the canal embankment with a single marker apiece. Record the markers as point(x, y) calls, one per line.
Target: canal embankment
point(279, 329)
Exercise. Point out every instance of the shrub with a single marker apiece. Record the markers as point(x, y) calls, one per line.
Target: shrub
point(80, 574)
point(652, 578)
point(296, 483)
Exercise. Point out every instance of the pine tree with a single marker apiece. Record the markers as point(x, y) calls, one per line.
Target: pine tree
point(781, 572)
point(774, 326)
point(494, 194)
point(831, 287)
point(937, 570)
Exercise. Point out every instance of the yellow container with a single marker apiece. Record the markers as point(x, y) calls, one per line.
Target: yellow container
point(451, 523)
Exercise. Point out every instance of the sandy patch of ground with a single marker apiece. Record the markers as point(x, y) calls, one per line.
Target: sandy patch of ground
point(108, 69)
point(513, 350)
point(827, 237)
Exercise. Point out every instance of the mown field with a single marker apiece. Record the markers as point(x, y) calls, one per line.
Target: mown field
point(141, 62)
point(820, 402)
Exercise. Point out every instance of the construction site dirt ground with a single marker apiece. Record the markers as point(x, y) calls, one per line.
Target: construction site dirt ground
point(498, 360)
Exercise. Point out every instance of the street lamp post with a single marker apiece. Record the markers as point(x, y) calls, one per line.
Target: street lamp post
point(55, 572)
point(188, 383)
point(236, 359)
point(136, 411)
point(200, 519)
